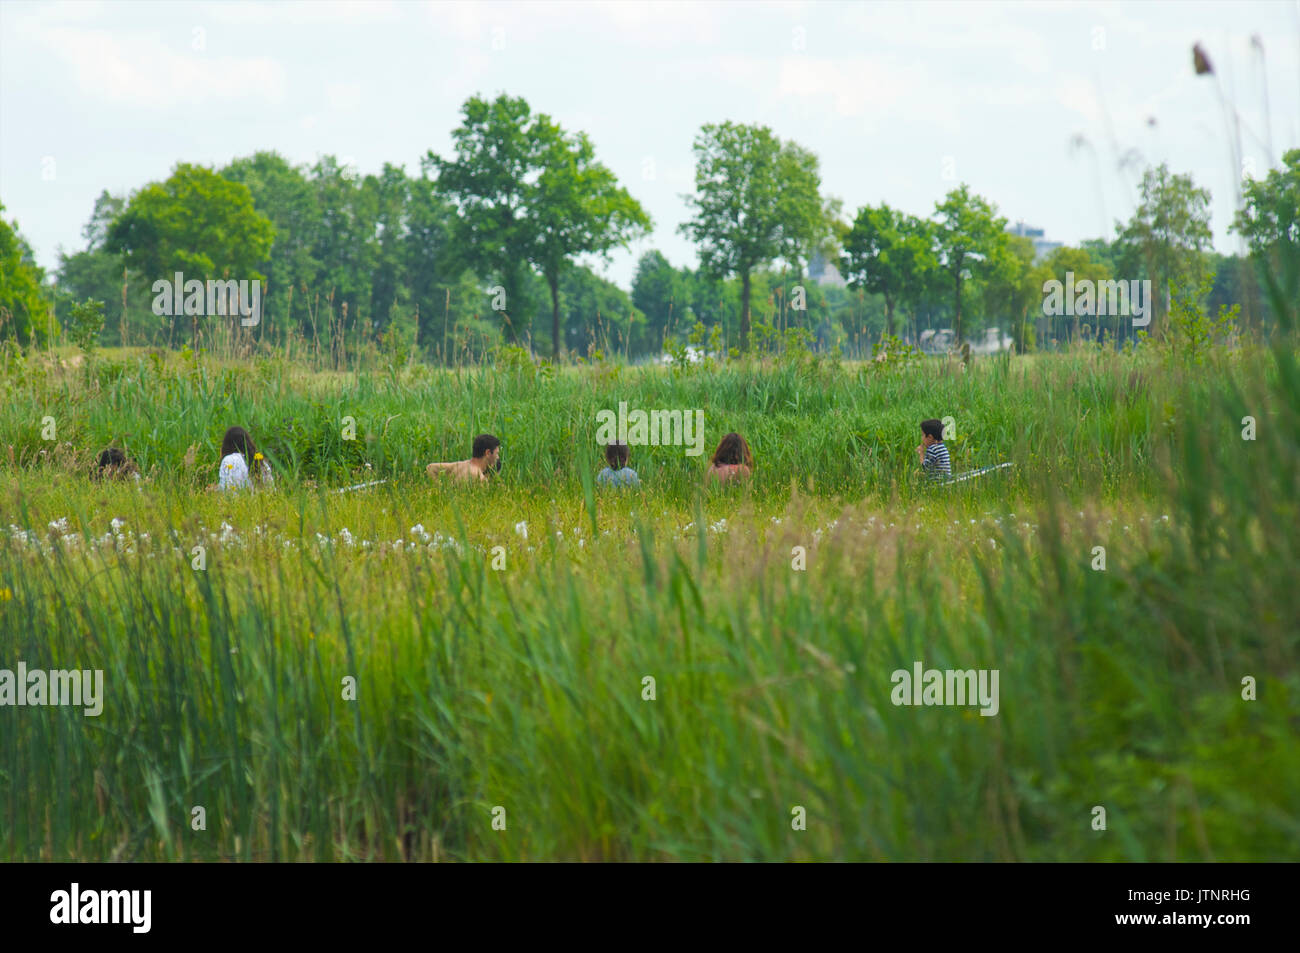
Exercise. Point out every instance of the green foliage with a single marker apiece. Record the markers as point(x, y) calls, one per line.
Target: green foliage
point(498, 147)
point(890, 254)
point(222, 686)
point(85, 324)
point(756, 199)
point(891, 354)
point(288, 199)
point(196, 222)
point(24, 312)
point(971, 239)
point(1166, 238)
point(1192, 333)
point(576, 208)
point(697, 353)
point(597, 314)
point(664, 295)
point(1270, 221)
point(1270, 215)
point(1058, 264)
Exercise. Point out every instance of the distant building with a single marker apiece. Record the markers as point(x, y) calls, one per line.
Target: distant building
point(823, 272)
point(1042, 247)
point(944, 340)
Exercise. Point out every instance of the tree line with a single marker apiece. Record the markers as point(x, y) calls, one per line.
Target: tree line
point(487, 245)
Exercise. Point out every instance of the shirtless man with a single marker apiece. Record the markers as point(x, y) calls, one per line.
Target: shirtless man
point(487, 453)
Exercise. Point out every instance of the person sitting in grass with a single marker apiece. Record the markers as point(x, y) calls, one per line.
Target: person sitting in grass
point(618, 473)
point(241, 464)
point(114, 464)
point(932, 452)
point(731, 461)
point(486, 458)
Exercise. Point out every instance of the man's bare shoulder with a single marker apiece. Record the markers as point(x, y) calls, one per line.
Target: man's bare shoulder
point(456, 469)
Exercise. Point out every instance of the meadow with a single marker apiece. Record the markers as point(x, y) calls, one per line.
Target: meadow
point(501, 637)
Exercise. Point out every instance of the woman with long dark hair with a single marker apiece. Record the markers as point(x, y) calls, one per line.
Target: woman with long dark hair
point(731, 461)
point(241, 463)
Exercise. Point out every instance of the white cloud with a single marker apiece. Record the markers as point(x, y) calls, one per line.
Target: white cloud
point(300, 12)
point(343, 97)
point(1078, 95)
point(143, 70)
point(859, 86)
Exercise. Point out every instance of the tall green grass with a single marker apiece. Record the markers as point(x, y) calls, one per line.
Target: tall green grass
point(522, 688)
point(1094, 420)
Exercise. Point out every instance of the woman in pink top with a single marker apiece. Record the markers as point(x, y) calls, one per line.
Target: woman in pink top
point(731, 461)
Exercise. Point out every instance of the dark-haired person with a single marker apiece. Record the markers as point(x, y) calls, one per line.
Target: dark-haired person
point(114, 464)
point(486, 457)
point(618, 473)
point(241, 463)
point(731, 461)
point(932, 452)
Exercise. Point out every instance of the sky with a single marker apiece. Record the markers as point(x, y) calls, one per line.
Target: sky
point(1049, 110)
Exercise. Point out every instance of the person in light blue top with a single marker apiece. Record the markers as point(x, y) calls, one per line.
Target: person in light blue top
point(618, 473)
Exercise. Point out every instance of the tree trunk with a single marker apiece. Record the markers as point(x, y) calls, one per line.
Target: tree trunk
point(957, 317)
point(744, 312)
point(511, 284)
point(554, 282)
point(889, 314)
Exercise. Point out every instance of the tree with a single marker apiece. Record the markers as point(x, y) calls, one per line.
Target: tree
point(283, 193)
point(1167, 234)
point(713, 301)
point(1270, 222)
point(922, 276)
point(344, 246)
point(886, 252)
point(387, 196)
point(1271, 212)
point(85, 323)
point(97, 272)
point(1101, 252)
point(576, 208)
point(660, 292)
point(1008, 290)
point(432, 269)
point(595, 313)
point(491, 180)
point(970, 236)
point(196, 222)
point(24, 311)
point(756, 199)
point(1057, 266)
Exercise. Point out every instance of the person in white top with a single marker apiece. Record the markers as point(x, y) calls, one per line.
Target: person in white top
point(241, 463)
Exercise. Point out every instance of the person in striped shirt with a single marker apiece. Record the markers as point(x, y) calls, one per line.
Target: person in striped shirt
point(932, 452)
